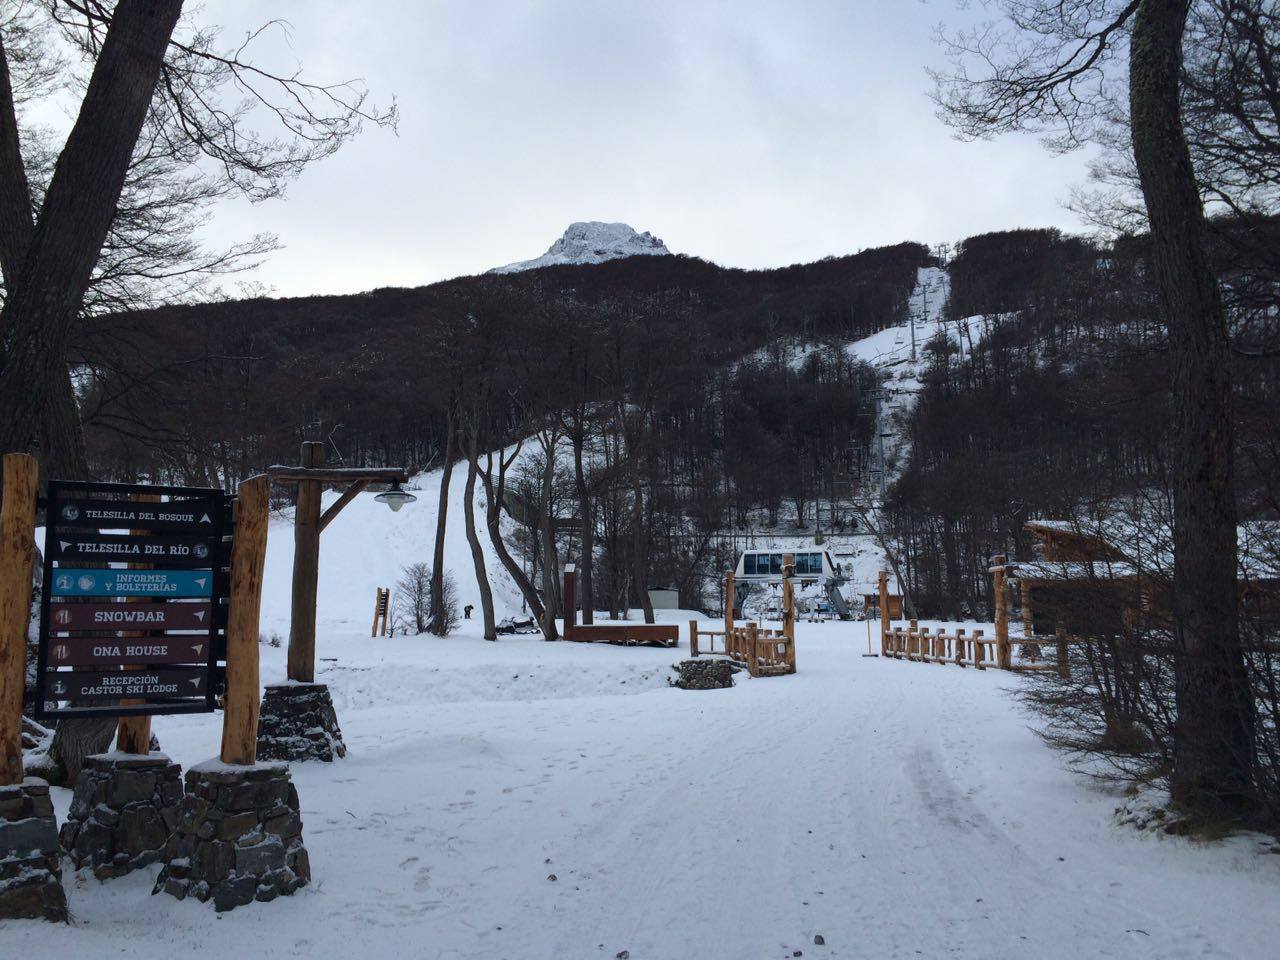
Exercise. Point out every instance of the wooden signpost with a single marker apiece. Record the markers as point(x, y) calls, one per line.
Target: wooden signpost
point(129, 642)
point(139, 640)
point(17, 554)
point(248, 555)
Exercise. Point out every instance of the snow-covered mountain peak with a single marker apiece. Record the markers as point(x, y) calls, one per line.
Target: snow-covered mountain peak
point(593, 242)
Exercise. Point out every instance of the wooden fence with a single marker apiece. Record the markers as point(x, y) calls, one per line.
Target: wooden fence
point(965, 649)
point(765, 653)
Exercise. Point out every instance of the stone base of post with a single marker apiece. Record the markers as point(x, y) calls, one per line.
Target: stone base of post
point(30, 862)
point(122, 811)
point(297, 722)
point(239, 837)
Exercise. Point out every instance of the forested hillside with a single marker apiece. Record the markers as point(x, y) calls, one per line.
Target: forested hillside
point(1062, 409)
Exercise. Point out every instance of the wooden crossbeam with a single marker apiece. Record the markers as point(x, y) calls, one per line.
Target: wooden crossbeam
point(288, 474)
point(336, 507)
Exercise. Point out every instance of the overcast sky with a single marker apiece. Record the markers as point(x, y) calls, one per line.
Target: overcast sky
point(754, 134)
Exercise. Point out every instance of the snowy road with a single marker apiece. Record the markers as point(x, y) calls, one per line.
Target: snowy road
point(894, 809)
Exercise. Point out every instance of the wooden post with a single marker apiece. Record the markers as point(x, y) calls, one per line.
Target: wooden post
point(729, 599)
point(693, 638)
point(1064, 663)
point(789, 598)
point(134, 733)
point(753, 668)
point(1000, 591)
point(569, 596)
point(240, 715)
point(1028, 617)
point(17, 553)
point(979, 650)
point(958, 650)
point(884, 608)
point(306, 570)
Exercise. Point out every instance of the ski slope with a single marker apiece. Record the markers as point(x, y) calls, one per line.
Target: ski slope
point(368, 546)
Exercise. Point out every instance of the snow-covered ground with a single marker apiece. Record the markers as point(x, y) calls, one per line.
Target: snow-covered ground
point(894, 809)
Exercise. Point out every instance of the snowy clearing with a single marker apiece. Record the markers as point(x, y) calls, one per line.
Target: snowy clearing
point(895, 809)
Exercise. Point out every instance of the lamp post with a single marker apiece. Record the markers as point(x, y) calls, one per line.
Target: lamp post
point(297, 720)
point(308, 524)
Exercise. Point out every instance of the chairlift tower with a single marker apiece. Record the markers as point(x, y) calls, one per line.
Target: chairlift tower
point(876, 472)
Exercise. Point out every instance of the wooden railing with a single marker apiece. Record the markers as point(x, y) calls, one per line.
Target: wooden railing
point(965, 649)
point(765, 653)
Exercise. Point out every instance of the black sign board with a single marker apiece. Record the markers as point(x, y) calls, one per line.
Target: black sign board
point(167, 550)
point(111, 644)
point(111, 650)
point(100, 617)
point(187, 516)
point(99, 686)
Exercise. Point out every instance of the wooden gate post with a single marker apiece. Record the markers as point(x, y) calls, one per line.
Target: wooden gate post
point(884, 609)
point(729, 599)
point(788, 598)
point(569, 599)
point(1000, 591)
point(306, 570)
point(753, 667)
point(17, 553)
point(249, 548)
point(1064, 663)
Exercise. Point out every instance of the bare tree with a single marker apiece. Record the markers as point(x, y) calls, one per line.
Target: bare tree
point(52, 237)
point(140, 77)
point(494, 477)
point(439, 622)
point(1054, 69)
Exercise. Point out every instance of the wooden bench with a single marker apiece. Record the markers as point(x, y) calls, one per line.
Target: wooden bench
point(618, 634)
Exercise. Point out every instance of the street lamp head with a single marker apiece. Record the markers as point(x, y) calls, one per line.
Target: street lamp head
point(395, 498)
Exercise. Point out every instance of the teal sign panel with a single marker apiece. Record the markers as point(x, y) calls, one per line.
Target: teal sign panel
point(72, 582)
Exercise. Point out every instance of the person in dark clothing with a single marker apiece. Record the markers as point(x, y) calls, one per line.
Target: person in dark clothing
point(466, 611)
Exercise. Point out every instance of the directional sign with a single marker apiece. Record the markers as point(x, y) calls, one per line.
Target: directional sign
point(129, 616)
point(126, 651)
point(75, 582)
point(192, 516)
point(91, 686)
point(147, 637)
point(164, 550)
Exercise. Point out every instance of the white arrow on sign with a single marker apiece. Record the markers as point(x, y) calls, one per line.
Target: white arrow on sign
point(195, 681)
point(205, 519)
point(65, 543)
point(202, 580)
point(197, 647)
point(200, 615)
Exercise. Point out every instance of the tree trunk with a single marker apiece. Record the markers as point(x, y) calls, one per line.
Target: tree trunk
point(586, 588)
point(76, 739)
point(548, 533)
point(439, 617)
point(493, 521)
point(477, 554)
point(639, 568)
point(16, 224)
point(45, 296)
point(1213, 736)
